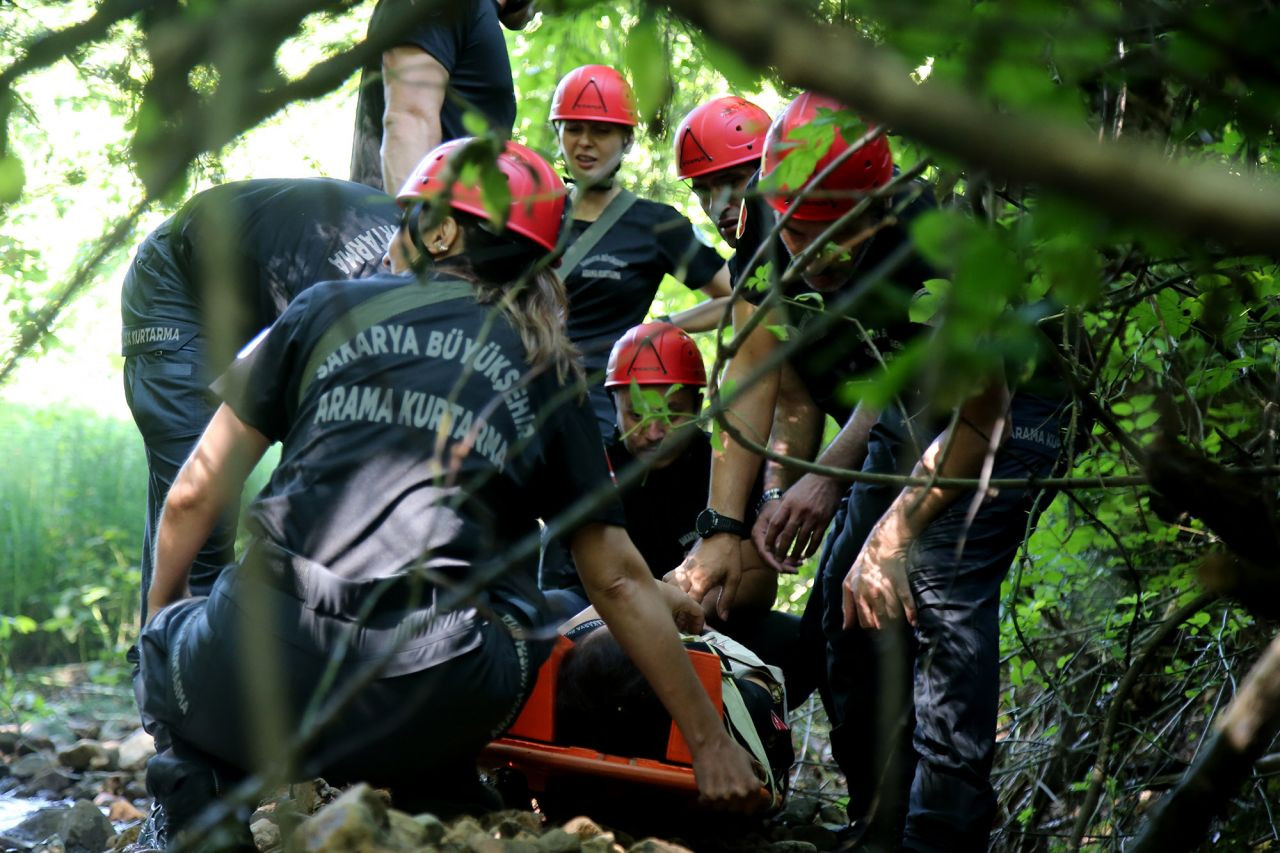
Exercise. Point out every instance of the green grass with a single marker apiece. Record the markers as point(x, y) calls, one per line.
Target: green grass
point(72, 500)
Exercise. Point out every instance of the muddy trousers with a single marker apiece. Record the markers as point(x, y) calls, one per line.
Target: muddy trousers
point(417, 732)
point(913, 713)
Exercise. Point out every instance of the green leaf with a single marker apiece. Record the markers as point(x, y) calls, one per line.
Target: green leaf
point(12, 179)
point(495, 194)
point(475, 123)
point(782, 333)
point(645, 53)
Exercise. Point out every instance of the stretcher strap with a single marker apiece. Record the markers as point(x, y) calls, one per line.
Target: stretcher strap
point(735, 708)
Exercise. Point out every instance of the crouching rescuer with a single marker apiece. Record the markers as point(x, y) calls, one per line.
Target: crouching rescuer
point(384, 622)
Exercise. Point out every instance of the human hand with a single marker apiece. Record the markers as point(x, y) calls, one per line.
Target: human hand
point(789, 531)
point(876, 591)
point(687, 613)
point(714, 562)
point(727, 777)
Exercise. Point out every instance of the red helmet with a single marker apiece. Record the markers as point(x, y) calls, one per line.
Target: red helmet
point(720, 134)
point(594, 93)
point(869, 169)
point(655, 354)
point(537, 192)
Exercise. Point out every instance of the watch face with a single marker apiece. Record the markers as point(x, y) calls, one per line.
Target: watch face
point(706, 522)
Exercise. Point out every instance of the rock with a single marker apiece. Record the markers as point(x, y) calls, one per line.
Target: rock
point(124, 841)
point(266, 835)
point(819, 836)
point(80, 828)
point(831, 813)
point(600, 844)
point(790, 847)
point(583, 827)
point(558, 841)
point(9, 739)
point(657, 845)
point(357, 820)
point(84, 755)
point(462, 829)
point(509, 823)
point(524, 843)
point(50, 781)
point(121, 810)
point(135, 750)
point(31, 765)
point(54, 844)
point(799, 810)
point(85, 729)
point(432, 828)
point(405, 831)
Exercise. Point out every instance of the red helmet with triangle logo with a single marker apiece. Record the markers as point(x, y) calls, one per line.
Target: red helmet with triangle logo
point(869, 168)
point(594, 93)
point(720, 134)
point(655, 354)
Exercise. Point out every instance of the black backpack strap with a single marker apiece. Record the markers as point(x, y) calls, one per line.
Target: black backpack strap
point(608, 218)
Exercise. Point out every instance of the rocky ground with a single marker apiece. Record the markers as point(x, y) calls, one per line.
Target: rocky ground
point(83, 761)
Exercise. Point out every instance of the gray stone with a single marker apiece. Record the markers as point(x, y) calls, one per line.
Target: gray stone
point(84, 755)
point(134, 751)
point(657, 845)
point(509, 823)
point(831, 813)
point(461, 831)
point(80, 827)
point(357, 820)
point(433, 828)
point(558, 841)
point(266, 835)
point(799, 810)
point(32, 764)
point(583, 827)
point(405, 832)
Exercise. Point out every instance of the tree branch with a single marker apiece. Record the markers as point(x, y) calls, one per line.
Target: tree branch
point(1134, 181)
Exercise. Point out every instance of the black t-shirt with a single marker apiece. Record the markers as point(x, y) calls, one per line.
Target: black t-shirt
point(465, 37)
point(826, 361)
point(413, 435)
point(612, 288)
point(663, 504)
point(234, 256)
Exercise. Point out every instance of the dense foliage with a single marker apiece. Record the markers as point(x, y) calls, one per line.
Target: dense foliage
point(1115, 157)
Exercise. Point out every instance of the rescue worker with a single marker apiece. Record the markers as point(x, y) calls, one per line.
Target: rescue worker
point(202, 285)
point(432, 73)
point(903, 568)
point(717, 150)
point(619, 246)
point(426, 426)
point(661, 461)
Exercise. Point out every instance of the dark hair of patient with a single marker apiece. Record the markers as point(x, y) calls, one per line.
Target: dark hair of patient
point(604, 703)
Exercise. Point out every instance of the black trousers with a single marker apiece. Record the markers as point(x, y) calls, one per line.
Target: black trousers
point(913, 713)
point(167, 392)
point(416, 729)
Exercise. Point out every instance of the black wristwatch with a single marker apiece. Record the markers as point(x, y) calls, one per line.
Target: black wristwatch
point(711, 522)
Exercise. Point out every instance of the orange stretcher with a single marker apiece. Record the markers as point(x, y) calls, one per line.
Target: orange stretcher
point(529, 746)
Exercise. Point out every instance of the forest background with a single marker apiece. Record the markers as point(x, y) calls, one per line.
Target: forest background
point(1116, 157)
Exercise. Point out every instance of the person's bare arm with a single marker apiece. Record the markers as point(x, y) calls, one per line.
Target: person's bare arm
point(876, 591)
point(716, 560)
point(414, 83)
point(794, 528)
point(209, 480)
point(705, 316)
point(639, 614)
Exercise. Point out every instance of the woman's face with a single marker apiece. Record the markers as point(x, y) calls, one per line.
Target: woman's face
point(592, 150)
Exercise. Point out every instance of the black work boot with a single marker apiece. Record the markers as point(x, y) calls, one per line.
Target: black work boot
point(183, 786)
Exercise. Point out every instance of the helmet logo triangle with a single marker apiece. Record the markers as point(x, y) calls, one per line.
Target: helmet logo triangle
point(691, 150)
point(652, 359)
point(591, 98)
